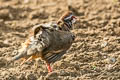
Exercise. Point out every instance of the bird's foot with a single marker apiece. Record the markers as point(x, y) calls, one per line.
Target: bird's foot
point(49, 67)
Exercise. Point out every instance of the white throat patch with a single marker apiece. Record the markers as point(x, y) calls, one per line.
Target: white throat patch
point(74, 20)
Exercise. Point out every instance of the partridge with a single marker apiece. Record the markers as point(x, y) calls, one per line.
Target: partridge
point(47, 43)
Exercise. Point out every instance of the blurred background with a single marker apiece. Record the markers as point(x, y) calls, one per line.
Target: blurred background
point(95, 54)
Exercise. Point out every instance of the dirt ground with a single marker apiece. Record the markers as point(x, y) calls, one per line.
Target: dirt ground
point(95, 54)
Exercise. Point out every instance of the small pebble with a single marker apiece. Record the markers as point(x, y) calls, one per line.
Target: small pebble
point(113, 60)
point(104, 44)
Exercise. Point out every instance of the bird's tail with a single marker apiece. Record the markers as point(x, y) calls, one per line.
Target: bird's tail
point(22, 53)
point(17, 57)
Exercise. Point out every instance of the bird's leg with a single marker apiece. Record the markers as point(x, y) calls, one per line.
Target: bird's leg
point(49, 68)
point(22, 62)
point(36, 64)
point(25, 60)
point(30, 58)
point(36, 61)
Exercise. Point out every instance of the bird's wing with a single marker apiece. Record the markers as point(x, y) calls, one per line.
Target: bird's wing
point(59, 45)
point(62, 40)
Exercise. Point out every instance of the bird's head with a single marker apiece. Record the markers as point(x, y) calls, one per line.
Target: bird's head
point(68, 19)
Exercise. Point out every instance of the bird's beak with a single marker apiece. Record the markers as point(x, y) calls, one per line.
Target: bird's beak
point(74, 19)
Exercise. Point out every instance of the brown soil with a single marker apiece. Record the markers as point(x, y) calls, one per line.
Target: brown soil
point(95, 54)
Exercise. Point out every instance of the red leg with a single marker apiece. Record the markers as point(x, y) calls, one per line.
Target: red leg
point(49, 68)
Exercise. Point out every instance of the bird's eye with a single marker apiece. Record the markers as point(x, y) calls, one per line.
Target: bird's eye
point(39, 39)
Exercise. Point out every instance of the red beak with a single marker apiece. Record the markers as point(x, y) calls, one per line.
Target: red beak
point(74, 17)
